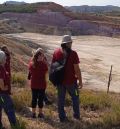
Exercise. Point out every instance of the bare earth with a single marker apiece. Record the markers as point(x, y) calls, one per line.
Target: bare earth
point(96, 54)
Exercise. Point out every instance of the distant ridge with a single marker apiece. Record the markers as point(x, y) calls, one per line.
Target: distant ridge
point(93, 9)
point(22, 7)
point(52, 18)
point(14, 2)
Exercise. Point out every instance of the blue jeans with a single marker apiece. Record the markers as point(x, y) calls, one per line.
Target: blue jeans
point(6, 103)
point(74, 93)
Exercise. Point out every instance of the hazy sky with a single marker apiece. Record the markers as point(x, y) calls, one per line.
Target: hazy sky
point(76, 2)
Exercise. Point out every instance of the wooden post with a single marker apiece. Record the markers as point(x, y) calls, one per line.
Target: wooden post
point(110, 78)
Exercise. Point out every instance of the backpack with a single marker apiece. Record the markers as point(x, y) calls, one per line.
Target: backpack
point(57, 71)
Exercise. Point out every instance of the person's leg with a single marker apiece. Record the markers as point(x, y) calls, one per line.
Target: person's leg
point(46, 100)
point(74, 93)
point(45, 97)
point(40, 102)
point(34, 102)
point(9, 109)
point(0, 116)
point(61, 102)
point(1, 106)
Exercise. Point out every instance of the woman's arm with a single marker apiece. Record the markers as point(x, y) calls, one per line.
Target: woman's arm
point(29, 75)
point(2, 86)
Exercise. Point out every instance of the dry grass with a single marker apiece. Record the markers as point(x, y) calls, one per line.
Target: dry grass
point(19, 79)
point(22, 99)
point(98, 110)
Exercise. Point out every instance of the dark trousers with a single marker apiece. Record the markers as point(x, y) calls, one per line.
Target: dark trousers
point(38, 97)
point(6, 103)
point(46, 98)
point(73, 92)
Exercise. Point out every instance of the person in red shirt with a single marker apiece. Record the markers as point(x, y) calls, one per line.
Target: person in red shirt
point(71, 75)
point(46, 100)
point(7, 68)
point(5, 49)
point(38, 69)
point(6, 102)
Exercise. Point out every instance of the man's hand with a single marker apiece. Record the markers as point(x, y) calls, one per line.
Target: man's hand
point(78, 75)
point(80, 85)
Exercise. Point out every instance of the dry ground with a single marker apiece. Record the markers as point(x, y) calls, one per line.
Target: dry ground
point(97, 54)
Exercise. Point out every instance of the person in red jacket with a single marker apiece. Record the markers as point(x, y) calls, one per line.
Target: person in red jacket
point(38, 69)
point(6, 102)
point(5, 49)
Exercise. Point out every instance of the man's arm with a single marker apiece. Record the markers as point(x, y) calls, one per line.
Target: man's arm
point(78, 74)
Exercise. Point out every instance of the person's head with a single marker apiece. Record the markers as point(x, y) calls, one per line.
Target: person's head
point(5, 49)
point(38, 56)
point(38, 50)
point(2, 58)
point(66, 42)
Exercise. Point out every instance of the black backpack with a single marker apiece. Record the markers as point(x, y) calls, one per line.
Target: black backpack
point(57, 71)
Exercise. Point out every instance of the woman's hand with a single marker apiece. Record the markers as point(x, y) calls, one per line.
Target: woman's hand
point(4, 88)
point(28, 84)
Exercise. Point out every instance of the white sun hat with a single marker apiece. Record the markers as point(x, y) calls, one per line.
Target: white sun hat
point(2, 57)
point(66, 39)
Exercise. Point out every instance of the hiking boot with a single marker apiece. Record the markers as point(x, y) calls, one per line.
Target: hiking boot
point(77, 117)
point(48, 102)
point(34, 115)
point(63, 120)
point(41, 116)
point(1, 126)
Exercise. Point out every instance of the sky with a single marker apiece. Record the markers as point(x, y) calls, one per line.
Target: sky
point(75, 2)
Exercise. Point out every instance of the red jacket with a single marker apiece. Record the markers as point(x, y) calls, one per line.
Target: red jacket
point(5, 77)
point(7, 64)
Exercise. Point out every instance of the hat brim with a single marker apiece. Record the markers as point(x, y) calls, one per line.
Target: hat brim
point(66, 42)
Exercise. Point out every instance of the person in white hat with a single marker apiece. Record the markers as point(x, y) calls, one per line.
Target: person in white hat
point(6, 102)
point(72, 73)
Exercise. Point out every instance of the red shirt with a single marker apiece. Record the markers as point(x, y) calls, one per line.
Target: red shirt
point(69, 77)
point(5, 77)
point(58, 55)
point(7, 64)
point(38, 75)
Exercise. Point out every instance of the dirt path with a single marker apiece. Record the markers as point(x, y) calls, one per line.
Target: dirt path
point(96, 54)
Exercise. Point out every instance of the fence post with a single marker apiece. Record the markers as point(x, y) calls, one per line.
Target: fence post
point(110, 79)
